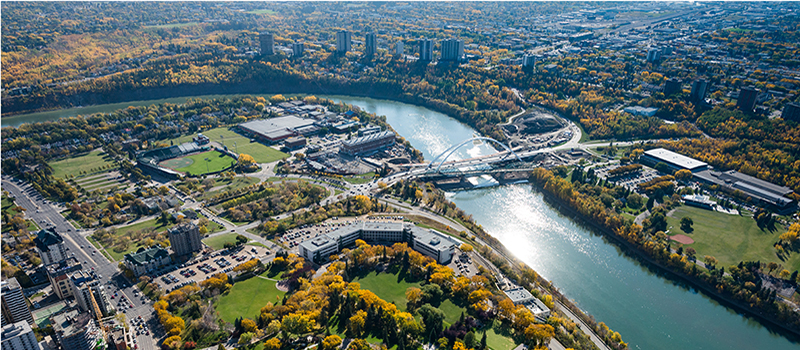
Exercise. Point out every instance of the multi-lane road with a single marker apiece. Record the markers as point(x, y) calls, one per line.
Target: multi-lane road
point(46, 214)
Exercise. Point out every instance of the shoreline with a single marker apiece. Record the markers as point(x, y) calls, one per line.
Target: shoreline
point(793, 336)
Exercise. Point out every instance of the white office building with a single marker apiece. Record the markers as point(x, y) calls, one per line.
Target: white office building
point(431, 243)
point(19, 336)
point(50, 247)
point(521, 296)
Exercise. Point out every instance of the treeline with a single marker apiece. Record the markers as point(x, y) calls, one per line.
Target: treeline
point(650, 239)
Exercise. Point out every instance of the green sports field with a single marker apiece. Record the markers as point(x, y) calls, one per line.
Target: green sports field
point(91, 162)
point(201, 163)
point(730, 238)
point(260, 152)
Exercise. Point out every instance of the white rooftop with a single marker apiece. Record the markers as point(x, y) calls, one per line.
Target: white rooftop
point(675, 158)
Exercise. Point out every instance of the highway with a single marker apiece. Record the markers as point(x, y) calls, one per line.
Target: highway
point(46, 215)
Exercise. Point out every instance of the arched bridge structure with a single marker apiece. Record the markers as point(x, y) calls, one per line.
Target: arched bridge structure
point(448, 152)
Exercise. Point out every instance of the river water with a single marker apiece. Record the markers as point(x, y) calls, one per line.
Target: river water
point(649, 310)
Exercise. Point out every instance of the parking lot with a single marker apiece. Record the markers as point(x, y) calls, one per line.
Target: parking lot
point(630, 180)
point(463, 266)
point(205, 266)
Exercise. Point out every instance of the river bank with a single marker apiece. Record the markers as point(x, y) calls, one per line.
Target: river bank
point(638, 253)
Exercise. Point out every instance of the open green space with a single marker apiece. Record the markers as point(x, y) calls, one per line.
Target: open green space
point(7, 204)
point(203, 163)
point(730, 238)
point(360, 179)
point(388, 286)
point(85, 163)
point(126, 230)
point(218, 242)
point(257, 244)
point(92, 181)
point(237, 143)
point(497, 341)
point(230, 184)
point(246, 299)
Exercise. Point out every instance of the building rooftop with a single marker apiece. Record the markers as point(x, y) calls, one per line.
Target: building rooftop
point(47, 237)
point(10, 283)
point(12, 330)
point(70, 322)
point(675, 158)
point(434, 239)
point(518, 295)
point(276, 126)
point(184, 227)
point(142, 256)
point(368, 138)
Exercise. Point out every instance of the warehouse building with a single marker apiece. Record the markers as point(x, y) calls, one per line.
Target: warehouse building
point(428, 242)
point(760, 191)
point(275, 129)
point(673, 160)
point(369, 144)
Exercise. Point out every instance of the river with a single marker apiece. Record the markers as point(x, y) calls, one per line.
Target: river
point(648, 309)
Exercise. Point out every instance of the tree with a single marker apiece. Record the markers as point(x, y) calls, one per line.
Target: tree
point(686, 224)
point(331, 342)
point(245, 338)
point(771, 266)
point(413, 295)
point(246, 160)
point(163, 190)
point(466, 248)
point(683, 174)
point(710, 261)
point(295, 323)
point(249, 325)
point(433, 318)
point(634, 201)
point(785, 274)
point(272, 344)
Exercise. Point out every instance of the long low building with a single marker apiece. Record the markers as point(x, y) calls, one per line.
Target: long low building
point(673, 160)
point(276, 129)
point(369, 144)
point(426, 241)
point(760, 191)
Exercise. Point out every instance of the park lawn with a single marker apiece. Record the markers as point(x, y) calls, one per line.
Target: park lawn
point(134, 246)
point(730, 238)
point(452, 311)
point(7, 204)
point(216, 162)
point(260, 152)
point(387, 287)
point(230, 184)
point(75, 165)
point(218, 242)
point(257, 244)
point(497, 341)
point(246, 299)
point(360, 179)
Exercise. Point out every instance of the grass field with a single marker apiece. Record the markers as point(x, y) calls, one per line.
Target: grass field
point(246, 299)
point(387, 287)
point(230, 184)
point(218, 242)
point(74, 166)
point(199, 165)
point(259, 152)
point(730, 238)
point(159, 226)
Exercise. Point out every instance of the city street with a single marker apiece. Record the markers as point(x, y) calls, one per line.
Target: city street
point(77, 245)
